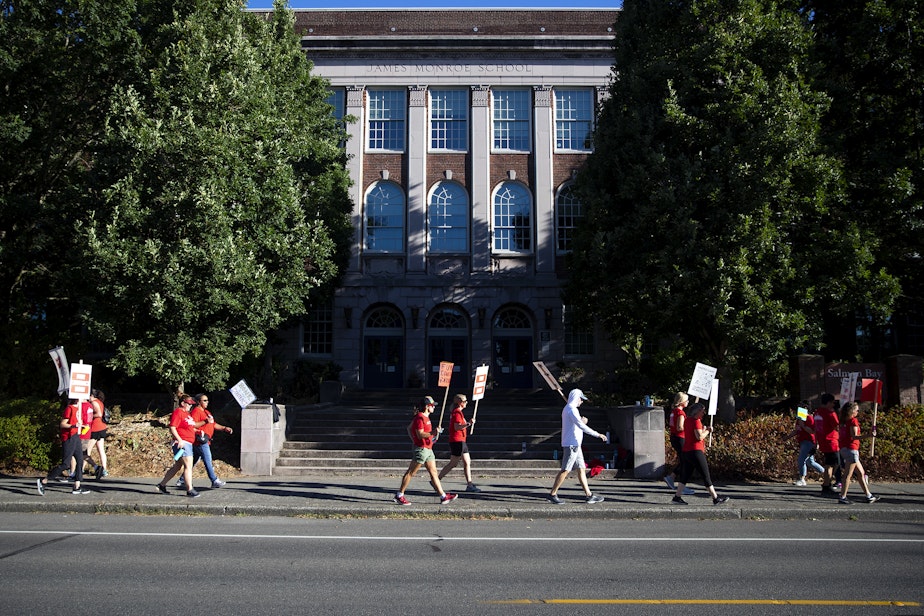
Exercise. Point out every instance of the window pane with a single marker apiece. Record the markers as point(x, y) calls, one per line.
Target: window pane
point(318, 338)
point(448, 218)
point(569, 211)
point(385, 218)
point(449, 120)
point(511, 119)
point(512, 218)
point(386, 120)
point(574, 115)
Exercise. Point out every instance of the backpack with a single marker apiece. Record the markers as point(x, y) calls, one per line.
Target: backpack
point(107, 415)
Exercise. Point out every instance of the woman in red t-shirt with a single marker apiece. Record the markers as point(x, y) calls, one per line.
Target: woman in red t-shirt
point(458, 445)
point(850, 453)
point(675, 425)
point(694, 454)
point(183, 430)
point(805, 436)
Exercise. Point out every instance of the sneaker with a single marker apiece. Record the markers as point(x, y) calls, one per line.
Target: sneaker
point(828, 490)
point(448, 497)
point(61, 480)
point(162, 488)
point(192, 494)
point(799, 482)
point(669, 482)
point(105, 473)
point(472, 488)
point(80, 491)
point(593, 499)
point(838, 485)
point(71, 478)
point(718, 500)
point(678, 500)
point(180, 483)
point(689, 491)
point(99, 472)
point(40, 486)
point(555, 500)
point(871, 499)
point(843, 500)
point(401, 500)
point(217, 483)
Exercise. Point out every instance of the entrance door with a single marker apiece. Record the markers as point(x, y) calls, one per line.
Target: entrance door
point(513, 362)
point(454, 350)
point(384, 362)
point(383, 349)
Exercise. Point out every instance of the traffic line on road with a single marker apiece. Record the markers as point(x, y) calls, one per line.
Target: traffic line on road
point(811, 602)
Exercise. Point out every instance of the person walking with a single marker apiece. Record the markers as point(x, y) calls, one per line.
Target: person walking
point(458, 445)
point(826, 435)
point(75, 421)
point(850, 453)
point(805, 437)
point(183, 430)
point(99, 430)
point(675, 425)
point(573, 429)
point(202, 446)
point(423, 436)
point(694, 455)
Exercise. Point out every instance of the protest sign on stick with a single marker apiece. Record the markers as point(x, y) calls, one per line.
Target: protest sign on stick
point(713, 405)
point(445, 379)
point(481, 382)
point(549, 379)
point(701, 383)
point(60, 361)
point(871, 391)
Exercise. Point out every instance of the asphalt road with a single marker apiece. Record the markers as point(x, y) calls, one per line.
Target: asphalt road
point(122, 564)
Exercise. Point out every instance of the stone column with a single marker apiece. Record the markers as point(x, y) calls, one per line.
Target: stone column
point(904, 380)
point(417, 141)
point(544, 214)
point(481, 179)
point(355, 146)
point(261, 438)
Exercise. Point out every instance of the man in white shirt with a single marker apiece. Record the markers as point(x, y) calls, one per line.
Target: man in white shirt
point(573, 428)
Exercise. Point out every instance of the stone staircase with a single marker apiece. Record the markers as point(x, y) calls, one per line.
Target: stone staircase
point(516, 434)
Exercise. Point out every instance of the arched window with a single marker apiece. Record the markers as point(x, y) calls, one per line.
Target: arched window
point(568, 212)
point(385, 317)
point(512, 318)
point(384, 220)
point(448, 318)
point(513, 215)
point(448, 218)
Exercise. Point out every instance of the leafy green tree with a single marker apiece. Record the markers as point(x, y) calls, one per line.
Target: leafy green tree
point(222, 166)
point(871, 62)
point(171, 173)
point(58, 64)
point(711, 206)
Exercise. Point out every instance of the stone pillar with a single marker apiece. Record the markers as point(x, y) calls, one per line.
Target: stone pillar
point(641, 429)
point(261, 438)
point(354, 149)
point(904, 380)
point(418, 141)
point(480, 179)
point(544, 211)
point(807, 376)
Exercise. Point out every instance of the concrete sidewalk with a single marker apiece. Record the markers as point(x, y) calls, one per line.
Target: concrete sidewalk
point(371, 496)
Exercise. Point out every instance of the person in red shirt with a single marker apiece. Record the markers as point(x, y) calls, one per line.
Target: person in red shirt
point(422, 434)
point(805, 436)
point(694, 455)
point(850, 453)
point(676, 424)
point(183, 430)
point(458, 446)
point(98, 434)
point(73, 425)
point(827, 436)
point(202, 447)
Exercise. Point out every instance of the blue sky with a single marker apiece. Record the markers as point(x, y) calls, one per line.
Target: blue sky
point(403, 4)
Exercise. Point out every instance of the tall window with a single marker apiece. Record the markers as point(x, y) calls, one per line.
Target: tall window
point(448, 218)
point(579, 335)
point(513, 207)
point(384, 219)
point(574, 119)
point(386, 119)
point(449, 120)
point(318, 330)
point(511, 110)
point(337, 99)
point(568, 211)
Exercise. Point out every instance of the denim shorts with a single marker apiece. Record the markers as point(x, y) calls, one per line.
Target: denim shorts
point(187, 450)
point(850, 456)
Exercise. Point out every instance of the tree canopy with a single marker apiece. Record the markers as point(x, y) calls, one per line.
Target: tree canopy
point(176, 178)
point(713, 209)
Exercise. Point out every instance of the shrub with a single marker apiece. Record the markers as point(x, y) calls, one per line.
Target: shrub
point(29, 433)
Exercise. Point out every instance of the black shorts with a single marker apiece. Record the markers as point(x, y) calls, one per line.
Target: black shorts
point(832, 459)
point(99, 435)
point(457, 448)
